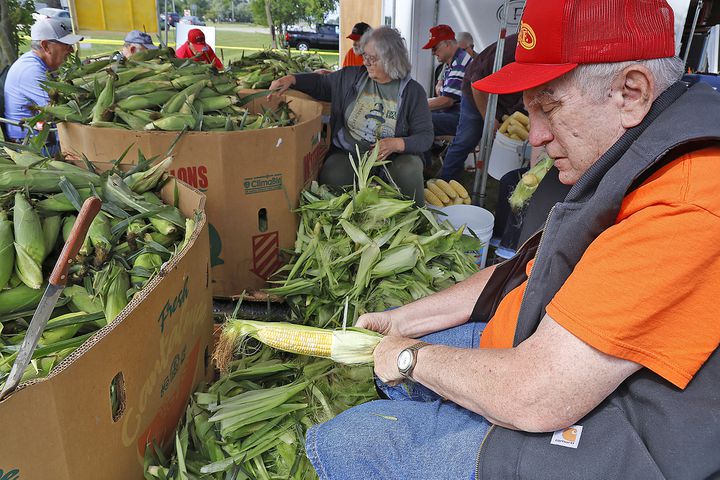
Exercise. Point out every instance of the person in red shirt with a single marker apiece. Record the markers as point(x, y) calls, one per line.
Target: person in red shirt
point(196, 48)
point(353, 57)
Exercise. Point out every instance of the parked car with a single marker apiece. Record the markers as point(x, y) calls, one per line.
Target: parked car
point(191, 20)
point(172, 20)
point(57, 13)
point(325, 36)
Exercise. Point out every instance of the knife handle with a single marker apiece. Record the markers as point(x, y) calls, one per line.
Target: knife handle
point(89, 210)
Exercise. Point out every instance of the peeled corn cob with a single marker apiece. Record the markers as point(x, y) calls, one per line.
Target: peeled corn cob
point(349, 346)
point(438, 192)
point(432, 199)
point(446, 188)
point(461, 191)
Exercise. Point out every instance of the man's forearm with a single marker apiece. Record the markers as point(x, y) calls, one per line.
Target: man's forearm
point(438, 103)
point(445, 309)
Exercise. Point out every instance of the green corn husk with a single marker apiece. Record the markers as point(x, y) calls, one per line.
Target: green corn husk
point(173, 122)
point(529, 182)
point(145, 266)
point(19, 299)
point(100, 235)
point(161, 225)
point(132, 121)
point(51, 231)
point(53, 335)
point(189, 230)
point(29, 242)
point(112, 283)
point(59, 202)
point(142, 182)
point(103, 103)
point(86, 248)
point(117, 191)
point(7, 250)
point(149, 100)
point(38, 180)
point(81, 300)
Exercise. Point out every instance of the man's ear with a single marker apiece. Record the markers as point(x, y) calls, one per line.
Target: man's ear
point(637, 85)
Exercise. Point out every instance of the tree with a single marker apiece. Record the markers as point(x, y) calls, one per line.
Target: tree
point(290, 12)
point(15, 20)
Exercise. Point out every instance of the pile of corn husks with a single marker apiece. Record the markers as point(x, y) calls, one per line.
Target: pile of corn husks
point(367, 245)
point(128, 241)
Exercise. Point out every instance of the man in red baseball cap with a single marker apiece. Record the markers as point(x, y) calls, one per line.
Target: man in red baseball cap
point(196, 48)
point(353, 57)
point(598, 356)
point(445, 106)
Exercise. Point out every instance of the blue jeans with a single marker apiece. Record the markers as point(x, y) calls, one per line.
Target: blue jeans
point(415, 435)
point(445, 122)
point(468, 134)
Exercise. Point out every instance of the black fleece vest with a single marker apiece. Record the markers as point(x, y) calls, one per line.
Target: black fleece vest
point(648, 428)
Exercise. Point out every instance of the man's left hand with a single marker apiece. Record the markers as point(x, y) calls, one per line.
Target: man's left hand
point(388, 146)
point(386, 354)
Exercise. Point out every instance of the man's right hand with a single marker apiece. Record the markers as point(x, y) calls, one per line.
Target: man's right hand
point(378, 322)
point(281, 85)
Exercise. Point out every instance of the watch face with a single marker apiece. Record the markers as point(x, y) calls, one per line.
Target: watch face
point(404, 360)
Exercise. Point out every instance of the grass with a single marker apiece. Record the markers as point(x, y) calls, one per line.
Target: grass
point(222, 38)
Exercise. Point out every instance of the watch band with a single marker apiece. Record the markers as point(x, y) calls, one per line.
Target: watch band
point(413, 349)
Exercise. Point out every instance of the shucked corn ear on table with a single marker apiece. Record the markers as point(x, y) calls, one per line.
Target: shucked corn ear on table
point(516, 126)
point(440, 193)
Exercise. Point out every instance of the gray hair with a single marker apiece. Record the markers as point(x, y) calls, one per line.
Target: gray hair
point(36, 45)
point(391, 50)
point(594, 79)
point(466, 38)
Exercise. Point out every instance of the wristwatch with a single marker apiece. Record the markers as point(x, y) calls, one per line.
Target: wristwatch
point(407, 359)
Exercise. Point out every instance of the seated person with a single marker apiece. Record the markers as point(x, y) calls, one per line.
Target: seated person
point(137, 41)
point(196, 48)
point(377, 103)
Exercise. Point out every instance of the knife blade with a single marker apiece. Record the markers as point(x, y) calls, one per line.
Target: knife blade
point(56, 284)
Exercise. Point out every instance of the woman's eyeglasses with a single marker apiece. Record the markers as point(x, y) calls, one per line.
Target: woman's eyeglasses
point(369, 59)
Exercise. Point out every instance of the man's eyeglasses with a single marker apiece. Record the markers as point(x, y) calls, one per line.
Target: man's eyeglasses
point(438, 45)
point(369, 59)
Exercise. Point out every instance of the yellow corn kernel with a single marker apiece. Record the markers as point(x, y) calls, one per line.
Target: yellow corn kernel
point(432, 199)
point(459, 188)
point(301, 342)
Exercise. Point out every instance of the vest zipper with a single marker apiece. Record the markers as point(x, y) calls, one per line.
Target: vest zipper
point(537, 252)
point(477, 462)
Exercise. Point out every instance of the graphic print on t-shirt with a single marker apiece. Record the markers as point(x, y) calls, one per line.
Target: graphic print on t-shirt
point(373, 117)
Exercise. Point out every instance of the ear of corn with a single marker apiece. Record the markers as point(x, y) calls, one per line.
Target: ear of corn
point(446, 188)
point(7, 250)
point(19, 299)
point(350, 346)
point(100, 235)
point(461, 191)
point(529, 182)
point(29, 242)
point(432, 199)
point(106, 98)
point(145, 266)
point(112, 283)
point(59, 202)
point(438, 192)
point(148, 100)
point(51, 227)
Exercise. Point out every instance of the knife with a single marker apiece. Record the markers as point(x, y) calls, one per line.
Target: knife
point(56, 284)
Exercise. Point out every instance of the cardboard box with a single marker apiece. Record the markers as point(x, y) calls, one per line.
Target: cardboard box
point(64, 428)
point(252, 180)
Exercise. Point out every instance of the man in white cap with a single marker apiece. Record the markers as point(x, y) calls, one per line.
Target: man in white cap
point(137, 41)
point(50, 44)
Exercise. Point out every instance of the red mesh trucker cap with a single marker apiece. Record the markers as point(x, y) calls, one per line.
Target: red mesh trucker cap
point(439, 33)
point(557, 35)
point(196, 36)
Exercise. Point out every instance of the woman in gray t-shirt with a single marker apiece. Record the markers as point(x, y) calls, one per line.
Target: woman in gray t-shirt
point(377, 103)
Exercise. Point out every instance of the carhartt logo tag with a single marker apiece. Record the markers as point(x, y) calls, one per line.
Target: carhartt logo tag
point(526, 36)
point(569, 437)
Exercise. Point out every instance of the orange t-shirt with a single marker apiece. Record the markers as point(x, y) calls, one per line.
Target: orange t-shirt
point(645, 289)
point(352, 59)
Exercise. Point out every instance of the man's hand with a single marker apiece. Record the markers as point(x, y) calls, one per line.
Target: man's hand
point(389, 146)
point(386, 354)
point(281, 85)
point(377, 322)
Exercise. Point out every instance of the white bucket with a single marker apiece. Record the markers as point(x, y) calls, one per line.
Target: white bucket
point(505, 157)
point(477, 219)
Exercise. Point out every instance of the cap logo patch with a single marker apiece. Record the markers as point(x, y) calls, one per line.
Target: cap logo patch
point(526, 36)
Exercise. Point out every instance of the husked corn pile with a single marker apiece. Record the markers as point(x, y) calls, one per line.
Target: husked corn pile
point(153, 90)
point(128, 241)
point(259, 69)
point(440, 193)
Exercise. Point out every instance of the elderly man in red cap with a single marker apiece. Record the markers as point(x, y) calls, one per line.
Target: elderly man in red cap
point(196, 48)
point(593, 353)
point(353, 57)
point(445, 106)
